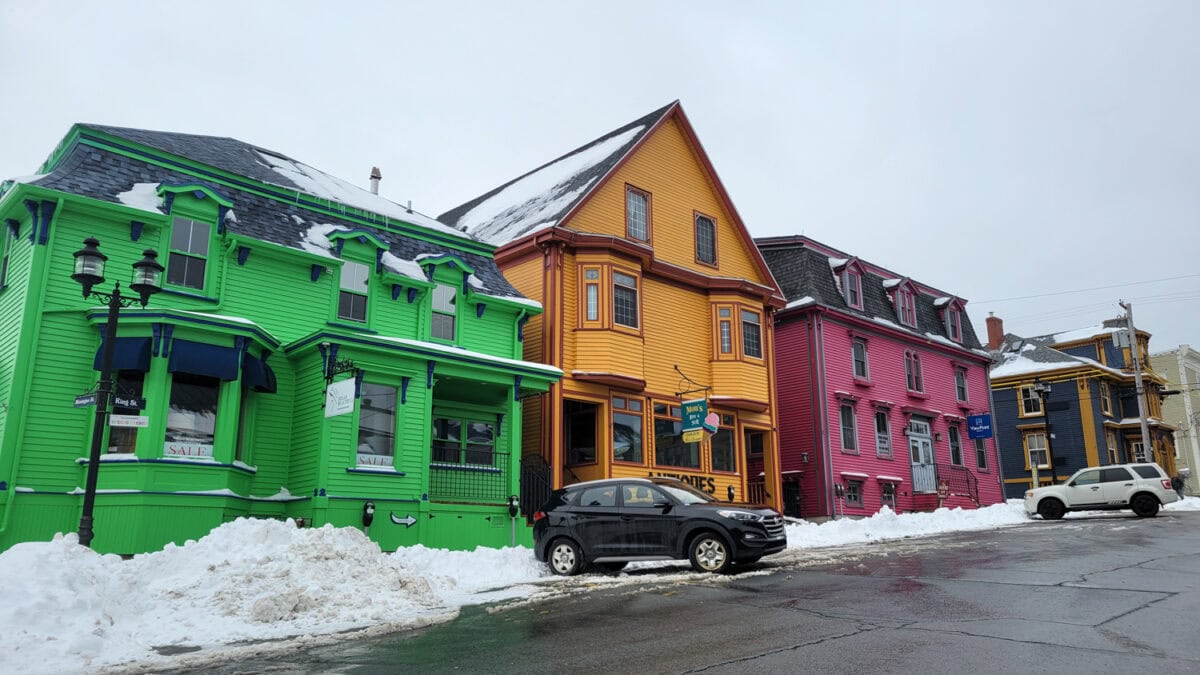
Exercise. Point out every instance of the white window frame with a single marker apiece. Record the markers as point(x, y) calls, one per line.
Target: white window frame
point(954, 437)
point(349, 277)
point(1026, 394)
point(913, 377)
point(626, 283)
point(1029, 450)
point(954, 324)
point(843, 407)
point(756, 322)
point(631, 212)
point(445, 308)
point(883, 438)
point(852, 282)
point(858, 354)
point(906, 307)
point(960, 385)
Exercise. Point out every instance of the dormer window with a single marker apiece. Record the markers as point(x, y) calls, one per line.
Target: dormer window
point(353, 293)
point(444, 312)
point(954, 324)
point(906, 307)
point(187, 263)
point(852, 284)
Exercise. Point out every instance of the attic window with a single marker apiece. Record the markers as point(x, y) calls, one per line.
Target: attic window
point(906, 308)
point(188, 259)
point(637, 214)
point(852, 284)
point(444, 312)
point(954, 324)
point(706, 240)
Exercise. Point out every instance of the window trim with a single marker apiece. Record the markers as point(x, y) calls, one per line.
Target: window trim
point(885, 436)
point(433, 310)
point(637, 290)
point(852, 280)
point(906, 307)
point(625, 409)
point(1025, 436)
point(843, 406)
point(849, 487)
point(207, 257)
point(465, 421)
point(954, 442)
point(742, 311)
point(1021, 398)
point(856, 342)
point(954, 324)
point(395, 415)
point(961, 385)
point(671, 406)
point(981, 459)
point(731, 425)
point(914, 377)
point(366, 295)
point(630, 189)
point(722, 330)
point(696, 216)
point(1105, 391)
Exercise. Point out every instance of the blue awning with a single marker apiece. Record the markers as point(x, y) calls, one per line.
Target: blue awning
point(257, 375)
point(199, 358)
point(129, 353)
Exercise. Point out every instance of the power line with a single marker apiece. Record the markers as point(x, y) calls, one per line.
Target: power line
point(1095, 288)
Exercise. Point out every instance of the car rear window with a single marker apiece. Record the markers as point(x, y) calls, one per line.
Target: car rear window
point(1148, 471)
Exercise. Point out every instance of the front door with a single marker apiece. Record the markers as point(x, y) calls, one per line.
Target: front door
point(920, 450)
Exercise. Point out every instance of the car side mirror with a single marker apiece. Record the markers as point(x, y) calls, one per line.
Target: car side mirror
point(664, 505)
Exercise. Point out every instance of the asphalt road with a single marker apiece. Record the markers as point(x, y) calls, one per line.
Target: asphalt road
point(1105, 594)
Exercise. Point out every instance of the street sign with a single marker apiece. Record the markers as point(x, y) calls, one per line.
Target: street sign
point(85, 400)
point(128, 421)
point(133, 402)
point(979, 426)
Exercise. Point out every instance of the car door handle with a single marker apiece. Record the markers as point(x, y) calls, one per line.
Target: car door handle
point(1095, 487)
point(626, 517)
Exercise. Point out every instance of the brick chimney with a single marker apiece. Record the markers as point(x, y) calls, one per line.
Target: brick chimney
point(995, 331)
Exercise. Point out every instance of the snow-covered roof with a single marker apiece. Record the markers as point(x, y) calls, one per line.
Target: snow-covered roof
point(542, 197)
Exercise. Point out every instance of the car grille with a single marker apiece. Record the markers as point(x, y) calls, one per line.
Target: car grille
point(774, 525)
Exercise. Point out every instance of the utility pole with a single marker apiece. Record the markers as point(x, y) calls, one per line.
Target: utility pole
point(1134, 349)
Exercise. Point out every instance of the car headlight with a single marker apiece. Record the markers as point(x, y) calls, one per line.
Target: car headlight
point(739, 515)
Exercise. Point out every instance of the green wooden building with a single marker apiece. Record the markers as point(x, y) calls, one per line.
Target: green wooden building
point(288, 296)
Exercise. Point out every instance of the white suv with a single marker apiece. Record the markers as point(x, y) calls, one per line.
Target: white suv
point(1141, 487)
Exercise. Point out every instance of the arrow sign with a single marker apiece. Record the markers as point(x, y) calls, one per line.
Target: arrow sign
point(407, 521)
point(84, 400)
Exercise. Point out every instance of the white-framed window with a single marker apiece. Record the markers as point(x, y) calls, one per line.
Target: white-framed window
point(981, 459)
point(376, 443)
point(187, 262)
point(637, 214)
point(1113, 446)
point(354, 285)
point(960, 384)
point(706, 240)
point(906, 308)
point(859, 354)
point(1138, 451)
point(1031, 403)
point(912, 372)
point(954, 324)
point(1105, 398)
point(955, 436)
point(444, 312)
point(852, 283)
point(887, 495)
point(625, 299)
point(192, 416)
point(883, 434)
point(1035, 450)
point(854, 493)
point(751, 334)
point(849, 426)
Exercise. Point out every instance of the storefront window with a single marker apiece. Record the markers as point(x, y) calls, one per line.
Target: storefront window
point(449, 447)
point(627, 429)
point(722, 450)
point(669, 448)
point(192, 417)
point(129, 384)
point(376, 425)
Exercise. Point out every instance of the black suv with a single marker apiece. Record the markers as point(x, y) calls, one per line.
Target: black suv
point(608, 523)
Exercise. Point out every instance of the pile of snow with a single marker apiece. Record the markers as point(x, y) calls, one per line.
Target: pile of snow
point(66, 608)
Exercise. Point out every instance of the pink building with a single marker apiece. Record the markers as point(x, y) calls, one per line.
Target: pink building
point(876, 377)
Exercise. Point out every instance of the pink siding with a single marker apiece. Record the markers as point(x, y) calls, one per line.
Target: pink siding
point(799, 431)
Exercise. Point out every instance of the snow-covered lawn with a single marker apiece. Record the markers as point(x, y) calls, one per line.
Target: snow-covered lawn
point(64, 608)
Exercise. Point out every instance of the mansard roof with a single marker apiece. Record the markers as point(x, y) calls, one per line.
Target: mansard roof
point(275, 198)
point(807, 271)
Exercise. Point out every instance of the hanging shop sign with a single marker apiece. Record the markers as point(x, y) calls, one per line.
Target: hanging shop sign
point(979, 426)
point(694, 412)
point(339, 398)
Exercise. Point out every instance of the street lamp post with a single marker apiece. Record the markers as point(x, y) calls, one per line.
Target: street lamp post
point(1043, 391)
point(89, 272)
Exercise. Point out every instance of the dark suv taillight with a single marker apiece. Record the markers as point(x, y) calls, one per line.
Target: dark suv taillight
point(538, 515)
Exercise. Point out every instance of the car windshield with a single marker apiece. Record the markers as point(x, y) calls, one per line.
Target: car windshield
point(685, 493)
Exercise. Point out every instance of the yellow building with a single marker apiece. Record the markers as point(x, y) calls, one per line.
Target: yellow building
point(654, 295)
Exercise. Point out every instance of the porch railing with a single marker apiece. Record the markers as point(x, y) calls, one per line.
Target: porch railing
point(487, 483)
point(959, 480)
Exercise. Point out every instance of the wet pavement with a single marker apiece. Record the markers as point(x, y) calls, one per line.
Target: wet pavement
point(1104, 594)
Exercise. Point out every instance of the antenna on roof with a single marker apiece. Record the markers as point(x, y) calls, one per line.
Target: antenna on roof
point(375, 178)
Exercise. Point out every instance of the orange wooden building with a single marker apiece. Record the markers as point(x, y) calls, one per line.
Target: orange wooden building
point(654, 294)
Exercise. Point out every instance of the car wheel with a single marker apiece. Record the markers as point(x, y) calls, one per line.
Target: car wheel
point(610, 567)
point(1145, 506)
point(565, 557)
point(709, 553)
point(1051, 509)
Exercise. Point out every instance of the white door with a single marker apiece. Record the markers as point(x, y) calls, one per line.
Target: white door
point(920, 450)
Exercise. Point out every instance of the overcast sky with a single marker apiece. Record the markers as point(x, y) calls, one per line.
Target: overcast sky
point(991, 150)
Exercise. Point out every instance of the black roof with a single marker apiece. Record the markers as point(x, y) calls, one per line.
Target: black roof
point(102, 174)
point(803, 271)
point(508, 222)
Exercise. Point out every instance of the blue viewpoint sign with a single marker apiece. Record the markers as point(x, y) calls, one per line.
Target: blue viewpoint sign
point(979, 426)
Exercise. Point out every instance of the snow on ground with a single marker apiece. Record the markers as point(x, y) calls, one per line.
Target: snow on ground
point(65, 608)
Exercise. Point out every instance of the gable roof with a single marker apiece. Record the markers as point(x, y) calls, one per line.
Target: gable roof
point(543, 197)
point(284, 201)
point(806, 272)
